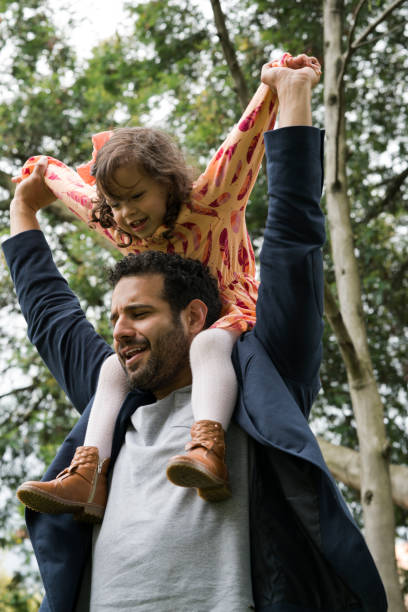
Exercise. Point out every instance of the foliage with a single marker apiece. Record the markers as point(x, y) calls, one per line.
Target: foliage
point(14, 596)
point(170, 71)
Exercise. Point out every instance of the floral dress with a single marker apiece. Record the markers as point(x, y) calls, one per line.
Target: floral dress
point(211, 226)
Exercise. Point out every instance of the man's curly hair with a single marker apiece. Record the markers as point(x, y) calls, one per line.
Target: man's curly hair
point(185, 279)
point(156, 154)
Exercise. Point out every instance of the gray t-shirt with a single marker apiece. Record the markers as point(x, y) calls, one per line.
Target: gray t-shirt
point(161, 547)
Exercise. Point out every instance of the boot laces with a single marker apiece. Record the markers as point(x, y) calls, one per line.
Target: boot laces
point(80, 458)
point(207, 435)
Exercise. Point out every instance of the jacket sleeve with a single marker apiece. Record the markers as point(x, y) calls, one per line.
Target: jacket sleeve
point(290, 303)
point(57, 326)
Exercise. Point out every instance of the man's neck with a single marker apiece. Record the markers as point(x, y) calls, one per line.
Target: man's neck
point(183, 381)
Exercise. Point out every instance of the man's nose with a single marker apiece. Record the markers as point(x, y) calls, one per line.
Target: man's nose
point(123, 329)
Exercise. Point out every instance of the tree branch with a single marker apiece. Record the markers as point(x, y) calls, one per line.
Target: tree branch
point(376, 22)
point(19, 390)
point(22, 419)
point(354, 21)
point(343, 338)
point(229, 54)
point(394, 185)
point(400, 26)
point(6, 182)
point(231, 59)
point(351, 47)
point(344, 464)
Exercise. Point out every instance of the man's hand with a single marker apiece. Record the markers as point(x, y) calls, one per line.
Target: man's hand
point(33, 191)
point(299, 69)
point(31, 195)
point(293, 85)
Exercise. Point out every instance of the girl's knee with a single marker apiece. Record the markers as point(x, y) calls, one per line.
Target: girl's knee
point(212, 342)
point(111, 368)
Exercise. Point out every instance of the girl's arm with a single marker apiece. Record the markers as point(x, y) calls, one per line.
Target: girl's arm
point(66, 185)
point(231, 173)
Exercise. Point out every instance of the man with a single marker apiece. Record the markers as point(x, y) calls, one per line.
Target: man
point(288, 540)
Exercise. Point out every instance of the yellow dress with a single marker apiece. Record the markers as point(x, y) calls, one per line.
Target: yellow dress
point(211, 226)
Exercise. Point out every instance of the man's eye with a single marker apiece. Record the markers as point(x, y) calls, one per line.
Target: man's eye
point(114, 204)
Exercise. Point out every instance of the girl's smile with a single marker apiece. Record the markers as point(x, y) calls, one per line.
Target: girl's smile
point(138, 202)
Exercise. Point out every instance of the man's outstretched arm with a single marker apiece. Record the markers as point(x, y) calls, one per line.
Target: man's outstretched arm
point(57, 326)
point(290, 303)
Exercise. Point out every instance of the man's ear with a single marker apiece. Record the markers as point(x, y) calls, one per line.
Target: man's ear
point(194, 316)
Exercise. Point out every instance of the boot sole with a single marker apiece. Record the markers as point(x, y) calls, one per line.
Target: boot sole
point(188, 474)
point(50, 504)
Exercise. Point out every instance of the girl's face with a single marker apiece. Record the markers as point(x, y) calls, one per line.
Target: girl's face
point(138, 202)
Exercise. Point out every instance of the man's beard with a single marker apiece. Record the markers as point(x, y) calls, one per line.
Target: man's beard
point(168, 356)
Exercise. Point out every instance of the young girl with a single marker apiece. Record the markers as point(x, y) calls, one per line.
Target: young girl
point(145, 200)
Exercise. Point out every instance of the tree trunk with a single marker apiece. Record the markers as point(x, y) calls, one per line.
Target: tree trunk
point(375, 478)
point(376, 497)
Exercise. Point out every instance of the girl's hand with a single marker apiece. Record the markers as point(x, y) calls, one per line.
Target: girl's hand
point(32, 193)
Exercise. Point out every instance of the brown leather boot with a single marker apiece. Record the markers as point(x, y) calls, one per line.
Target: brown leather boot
point(203, 465)
point(80, 489)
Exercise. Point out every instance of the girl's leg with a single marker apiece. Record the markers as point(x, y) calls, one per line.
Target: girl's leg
point(110, 394)
point(213, 400)
point(81, 488)
point(215, 386)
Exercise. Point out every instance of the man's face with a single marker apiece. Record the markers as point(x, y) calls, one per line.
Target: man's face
point(151, 343)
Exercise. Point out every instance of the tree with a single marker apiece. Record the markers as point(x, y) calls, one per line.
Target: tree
point(53, 104)
point(349, 324)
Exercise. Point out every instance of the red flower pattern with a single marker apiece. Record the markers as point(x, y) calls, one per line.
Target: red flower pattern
point(243, 257)
point(82, 199)
point(249, 121)
point(237, 172)
point(195, 233)
point(245, 185)
point(207, 248)
point(201, 210)
point(221, 200)
point(231, 150)
point(236, 219)
point(224, 249)
point(221, 171)
point(252, 147)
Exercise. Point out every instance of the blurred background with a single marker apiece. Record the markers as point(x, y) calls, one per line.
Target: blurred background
point(190, 66)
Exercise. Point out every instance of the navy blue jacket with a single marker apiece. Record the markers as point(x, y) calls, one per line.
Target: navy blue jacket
point(307, 552)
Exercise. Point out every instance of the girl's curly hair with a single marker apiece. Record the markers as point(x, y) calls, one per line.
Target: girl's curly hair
point(157, 155)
